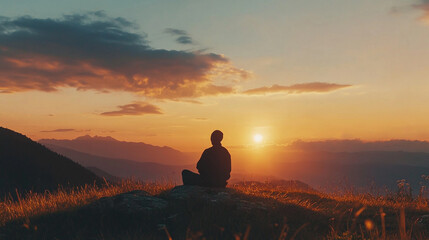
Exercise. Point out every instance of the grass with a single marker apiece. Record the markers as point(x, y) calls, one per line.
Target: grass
point(357, 216)
point(283, 213)
point(36, 204)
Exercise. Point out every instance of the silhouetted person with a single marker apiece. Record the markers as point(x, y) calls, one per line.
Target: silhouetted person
point(214, 165)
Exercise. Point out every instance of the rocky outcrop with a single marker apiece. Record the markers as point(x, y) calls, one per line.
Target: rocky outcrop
point(130, 203)
point(138, 203)
point(193, 192)
point(210, 196)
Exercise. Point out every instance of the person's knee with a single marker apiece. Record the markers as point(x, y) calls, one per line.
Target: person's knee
point(185, 171)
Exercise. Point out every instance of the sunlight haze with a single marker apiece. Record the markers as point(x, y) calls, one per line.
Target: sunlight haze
point(306, 70)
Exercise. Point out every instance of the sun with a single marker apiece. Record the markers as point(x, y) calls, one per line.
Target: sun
point(257, 138)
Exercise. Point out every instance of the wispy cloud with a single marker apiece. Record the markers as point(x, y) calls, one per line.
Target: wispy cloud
point(96, 52)
point(319, 87)
point(137, 108)
point(424, 6)
point(421, 5)
point(183, 37)
point(201, 119)
point(65, 130)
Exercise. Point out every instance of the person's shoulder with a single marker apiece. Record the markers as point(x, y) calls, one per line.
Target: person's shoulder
point(207, 150)
point(216, 149)
point(224, 149)
point(213, 149)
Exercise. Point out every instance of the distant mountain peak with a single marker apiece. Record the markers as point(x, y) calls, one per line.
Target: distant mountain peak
point(109, 147)
point(95, 138)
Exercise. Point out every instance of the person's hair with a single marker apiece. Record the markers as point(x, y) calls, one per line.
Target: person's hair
point(216, 136)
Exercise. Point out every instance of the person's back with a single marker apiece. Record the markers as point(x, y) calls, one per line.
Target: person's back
point(214, 165)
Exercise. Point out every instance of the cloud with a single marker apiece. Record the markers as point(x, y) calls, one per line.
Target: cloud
point(96, 52)
point(60, 130)
point(65, 130)
point(182, 36)
point(137, 108)
point(201, 119)
point(319, 87)
point(424, 6)
point(184, 40)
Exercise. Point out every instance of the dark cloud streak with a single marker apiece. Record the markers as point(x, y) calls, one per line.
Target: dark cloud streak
point(65, 130)
point(134, 109)
point(424, 6)
point(183, 37)
point(319, 87)
point(184, 40)
point(60, 130)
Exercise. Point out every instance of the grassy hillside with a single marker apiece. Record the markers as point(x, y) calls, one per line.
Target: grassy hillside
point(251, 211)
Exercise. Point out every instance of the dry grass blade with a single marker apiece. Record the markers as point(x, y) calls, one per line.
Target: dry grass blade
point(298, 230)
point(402, 227)
point(246, 234)
point(383, 224)
point(283, 232)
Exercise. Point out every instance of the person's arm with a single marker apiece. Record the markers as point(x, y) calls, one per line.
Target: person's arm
point(228, 169)
point(201, 165)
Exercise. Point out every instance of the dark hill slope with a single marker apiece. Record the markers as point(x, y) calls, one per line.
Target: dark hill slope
point(27, 165)
point(105, 175)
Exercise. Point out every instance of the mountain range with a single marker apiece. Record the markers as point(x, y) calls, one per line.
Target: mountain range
point(112, 148)
point(28, 165)
point(321, 164)
point(123, 168)
point(359, 170)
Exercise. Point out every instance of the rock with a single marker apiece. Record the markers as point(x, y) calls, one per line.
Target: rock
point(181, 199)
point(211, 196)
point(131, 203)
point(197, 192)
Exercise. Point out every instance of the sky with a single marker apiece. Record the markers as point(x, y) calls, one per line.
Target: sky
point(171, 72)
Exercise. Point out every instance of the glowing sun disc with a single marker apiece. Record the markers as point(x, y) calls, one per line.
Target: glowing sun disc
point(258, 138)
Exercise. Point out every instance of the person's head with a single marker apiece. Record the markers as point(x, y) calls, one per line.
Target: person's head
point(216, 137)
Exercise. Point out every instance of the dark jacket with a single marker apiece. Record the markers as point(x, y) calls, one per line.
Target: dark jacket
point(214, 166)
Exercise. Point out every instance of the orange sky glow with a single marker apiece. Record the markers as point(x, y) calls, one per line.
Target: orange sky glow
point(286, 76)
